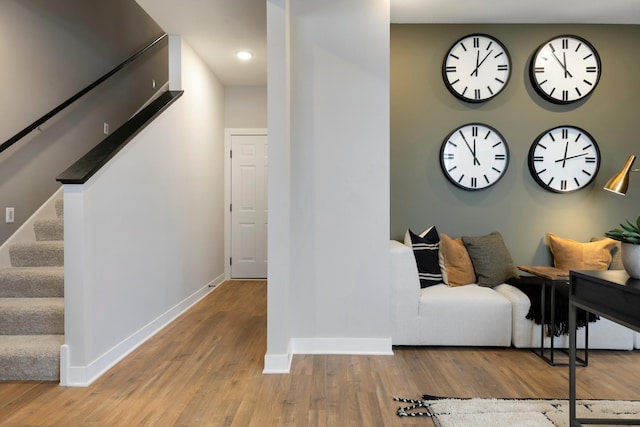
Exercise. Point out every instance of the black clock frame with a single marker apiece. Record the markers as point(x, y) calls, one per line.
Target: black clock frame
point(541, 92)
point(456, 183)
point(543, 184)
point(450, 87)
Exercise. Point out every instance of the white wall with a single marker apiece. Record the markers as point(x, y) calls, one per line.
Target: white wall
point(144, 238)
point(245, 106)
point(331, 132)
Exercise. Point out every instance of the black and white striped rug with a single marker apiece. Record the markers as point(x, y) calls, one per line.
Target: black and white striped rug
point(447, 412)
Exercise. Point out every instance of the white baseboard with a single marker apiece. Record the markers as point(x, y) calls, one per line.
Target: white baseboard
point(83, 376)
point(372, 346)
point(281, 363)
point(277, 363)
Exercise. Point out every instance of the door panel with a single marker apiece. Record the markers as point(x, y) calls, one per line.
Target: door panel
point(249, 166)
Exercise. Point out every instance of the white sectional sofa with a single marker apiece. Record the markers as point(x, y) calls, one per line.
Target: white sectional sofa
point(472, 315)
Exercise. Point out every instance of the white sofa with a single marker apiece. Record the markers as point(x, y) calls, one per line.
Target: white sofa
point(475, 316)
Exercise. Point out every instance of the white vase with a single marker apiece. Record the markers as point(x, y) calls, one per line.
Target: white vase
point(631, 259)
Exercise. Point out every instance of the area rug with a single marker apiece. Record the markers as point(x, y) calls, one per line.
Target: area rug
point(474, 412)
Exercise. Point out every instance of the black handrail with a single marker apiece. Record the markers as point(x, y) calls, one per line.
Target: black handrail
point(24, 132)
point(98, 156)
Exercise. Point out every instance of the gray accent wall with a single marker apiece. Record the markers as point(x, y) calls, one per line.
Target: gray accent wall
point(423, 112)
point(50, 51)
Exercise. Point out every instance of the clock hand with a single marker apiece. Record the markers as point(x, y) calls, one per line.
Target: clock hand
point(566, 70)
point(562, 64)
point(571, 157)
point(564, 159)
point(473, 151)
point(481, 62)
point(475, 71)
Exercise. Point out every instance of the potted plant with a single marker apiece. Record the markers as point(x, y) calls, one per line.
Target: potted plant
point(629, 236)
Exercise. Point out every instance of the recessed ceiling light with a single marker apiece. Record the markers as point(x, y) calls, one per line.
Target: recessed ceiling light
point(244, 55)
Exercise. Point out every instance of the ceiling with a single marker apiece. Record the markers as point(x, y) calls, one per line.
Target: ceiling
point(216, 29)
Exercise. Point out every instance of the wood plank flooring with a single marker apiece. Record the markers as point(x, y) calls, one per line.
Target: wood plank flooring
point(205, 369)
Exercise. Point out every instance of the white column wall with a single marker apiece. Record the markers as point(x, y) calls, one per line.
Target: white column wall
point(144, 237)
point(338, 188)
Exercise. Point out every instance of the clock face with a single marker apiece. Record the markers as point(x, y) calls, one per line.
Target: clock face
point(476, 68)
point(474, 156)
point(565, 69)
point(564, 159)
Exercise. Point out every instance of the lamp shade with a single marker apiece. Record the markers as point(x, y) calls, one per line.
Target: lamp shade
point(620, 182)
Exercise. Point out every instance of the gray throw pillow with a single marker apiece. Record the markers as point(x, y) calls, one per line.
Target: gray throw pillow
point(491, 259)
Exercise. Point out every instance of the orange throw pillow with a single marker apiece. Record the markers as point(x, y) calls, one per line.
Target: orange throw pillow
point(455, 263)
point(572, 255)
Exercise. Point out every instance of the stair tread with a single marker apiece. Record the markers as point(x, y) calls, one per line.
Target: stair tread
point(19, 345)
point(29, 304)
point(33, 282)
point(49, 229)
point(40, 253)
point(32, 272)
point(30, 357)
point(41, 244)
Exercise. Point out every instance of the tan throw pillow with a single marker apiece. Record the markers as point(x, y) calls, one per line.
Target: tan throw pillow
point(572, 255)
point(456, 266)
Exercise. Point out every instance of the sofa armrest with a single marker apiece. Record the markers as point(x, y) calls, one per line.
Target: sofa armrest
point(405, 294)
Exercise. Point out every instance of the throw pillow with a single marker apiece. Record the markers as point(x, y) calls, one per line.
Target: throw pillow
point(491, 259)
point(456, 266)
point(425, 249)
point(616, 257)
point(572, 255)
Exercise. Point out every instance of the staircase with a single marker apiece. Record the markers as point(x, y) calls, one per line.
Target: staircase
point(32, 304)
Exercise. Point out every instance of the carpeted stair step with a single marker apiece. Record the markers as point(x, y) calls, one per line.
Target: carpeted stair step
point(59, 208)
point(30, 357)
point(37, 254)
point(49, 229)
point(31, 316)
point(31, 282)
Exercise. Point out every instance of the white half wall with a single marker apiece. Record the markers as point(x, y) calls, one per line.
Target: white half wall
point(144, 237)
point(329, 129)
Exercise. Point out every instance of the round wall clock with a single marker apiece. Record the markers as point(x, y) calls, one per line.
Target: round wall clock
point(474, 156)
point(565, 69)
point(476, 68)
point(564, 159)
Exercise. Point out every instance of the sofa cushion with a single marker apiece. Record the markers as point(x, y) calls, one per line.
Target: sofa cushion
point(572, 255)
point(491, 259)
point(456, 266)
point(464, 315)
point(425, 249)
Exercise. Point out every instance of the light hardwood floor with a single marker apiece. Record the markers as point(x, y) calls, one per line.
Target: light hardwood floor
point(205, 369)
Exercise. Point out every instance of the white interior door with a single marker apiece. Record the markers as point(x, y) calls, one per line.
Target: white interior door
point(249, 166)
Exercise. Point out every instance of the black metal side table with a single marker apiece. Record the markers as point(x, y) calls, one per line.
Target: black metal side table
point(553, 277)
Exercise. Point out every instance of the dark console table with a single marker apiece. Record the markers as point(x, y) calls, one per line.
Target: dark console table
point(611, 294)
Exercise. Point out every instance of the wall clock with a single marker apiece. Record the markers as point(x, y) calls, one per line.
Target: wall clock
point(474, 156)
point(564, 159)
point(476, 68)
point(565, 69)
